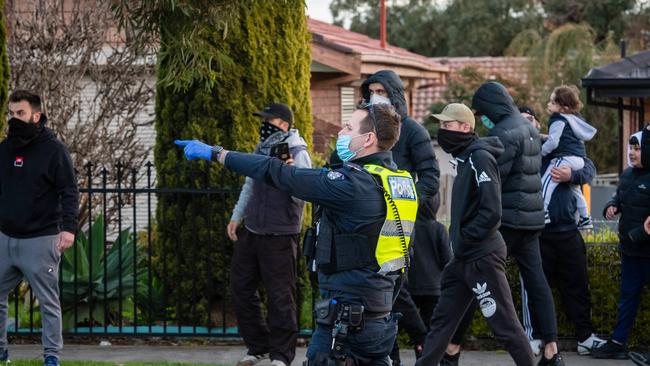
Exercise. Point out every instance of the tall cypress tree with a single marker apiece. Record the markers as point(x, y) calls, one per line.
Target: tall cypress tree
point(4, 64)
point(262, 55)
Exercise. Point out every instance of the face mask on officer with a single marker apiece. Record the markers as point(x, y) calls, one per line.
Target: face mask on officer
point(343, 147)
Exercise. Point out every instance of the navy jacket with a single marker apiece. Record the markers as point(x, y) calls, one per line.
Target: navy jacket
point(349, 198)
point(563, 205)
point(519, 165)
point(632, 199)
point(476, 201)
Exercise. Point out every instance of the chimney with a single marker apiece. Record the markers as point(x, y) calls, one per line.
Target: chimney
point(382, 23)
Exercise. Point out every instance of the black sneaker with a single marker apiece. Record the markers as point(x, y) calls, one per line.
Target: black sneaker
point(4, 357)
point(556, 360)
point(641, 359)
point(449, 360)
point(611, 350)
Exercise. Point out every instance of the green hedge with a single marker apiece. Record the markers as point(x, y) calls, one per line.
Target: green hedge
point(268, 44)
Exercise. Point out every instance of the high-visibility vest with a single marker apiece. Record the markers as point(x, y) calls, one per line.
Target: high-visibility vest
point(401, 211)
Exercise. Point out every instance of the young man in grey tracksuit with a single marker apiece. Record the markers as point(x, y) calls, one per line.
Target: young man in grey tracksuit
point(39, 203)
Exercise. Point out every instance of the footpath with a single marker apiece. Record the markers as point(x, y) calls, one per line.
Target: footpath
point(229, 355)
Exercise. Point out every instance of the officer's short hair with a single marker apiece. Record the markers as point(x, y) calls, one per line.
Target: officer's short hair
point(33, 99)
point(384, 121)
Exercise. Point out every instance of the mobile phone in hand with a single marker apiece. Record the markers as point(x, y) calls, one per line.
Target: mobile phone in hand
point(281, 151)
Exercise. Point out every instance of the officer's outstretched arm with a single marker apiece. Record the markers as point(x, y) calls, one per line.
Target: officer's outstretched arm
point(313, 185)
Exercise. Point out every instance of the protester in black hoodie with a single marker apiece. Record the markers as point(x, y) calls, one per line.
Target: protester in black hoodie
point(38, 215)
point(477, 269)
point(632, 202)
point(523, 206)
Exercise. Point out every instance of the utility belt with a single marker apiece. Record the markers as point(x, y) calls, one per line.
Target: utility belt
point(328, 312)
point(344, 319)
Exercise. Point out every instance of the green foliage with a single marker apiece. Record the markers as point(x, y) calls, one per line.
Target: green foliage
point(85, 284)
point(606, 17)
point(270, 43)
point(463, 28)
point(563, 57)
point(189, 50)
point(460, 89)
point(4, 66)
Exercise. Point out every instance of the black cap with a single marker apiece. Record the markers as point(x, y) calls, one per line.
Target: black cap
point(276, 110)
point(527, 109)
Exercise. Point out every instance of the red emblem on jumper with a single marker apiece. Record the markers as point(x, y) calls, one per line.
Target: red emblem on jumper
point(18, 162)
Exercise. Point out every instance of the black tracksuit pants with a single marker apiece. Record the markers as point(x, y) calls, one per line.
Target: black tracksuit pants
point(410, 321)
point(484, 280)
point(523, 246)
point(564, 258)
point(272, 261)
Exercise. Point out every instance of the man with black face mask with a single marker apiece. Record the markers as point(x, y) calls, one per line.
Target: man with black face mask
point(39, 203)
point(477, 269)
point(266, 248)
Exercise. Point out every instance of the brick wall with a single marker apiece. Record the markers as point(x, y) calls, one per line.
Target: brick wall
point(326, 113)
point(514, 68)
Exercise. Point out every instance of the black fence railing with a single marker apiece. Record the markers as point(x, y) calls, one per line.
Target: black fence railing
point(121, 279)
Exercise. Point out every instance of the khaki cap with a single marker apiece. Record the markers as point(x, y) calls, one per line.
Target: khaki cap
point(457, 112)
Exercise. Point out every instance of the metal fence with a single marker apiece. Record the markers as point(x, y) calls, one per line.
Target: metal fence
point(113, 282)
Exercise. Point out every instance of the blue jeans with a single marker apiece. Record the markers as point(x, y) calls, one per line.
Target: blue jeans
point(635, 273)
point(371, 346)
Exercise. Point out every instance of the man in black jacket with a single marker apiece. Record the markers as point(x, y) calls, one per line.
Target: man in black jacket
point(564, 256)
point(38, 215)
point(523, 207)
point(477, 269)
point(413, 152)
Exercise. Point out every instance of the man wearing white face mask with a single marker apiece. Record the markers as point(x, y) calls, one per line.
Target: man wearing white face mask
point(412, 152)
point(368, 213)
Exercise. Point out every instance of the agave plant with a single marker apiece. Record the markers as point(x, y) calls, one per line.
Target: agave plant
point(91, 279)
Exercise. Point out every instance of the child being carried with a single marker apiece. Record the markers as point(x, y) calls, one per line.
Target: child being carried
point(567, 132)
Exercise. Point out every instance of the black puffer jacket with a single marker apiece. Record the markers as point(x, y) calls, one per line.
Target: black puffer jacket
point(413, 151)
point(519, 165)
point(632, 201)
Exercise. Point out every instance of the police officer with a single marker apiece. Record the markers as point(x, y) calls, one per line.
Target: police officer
point(368, 211)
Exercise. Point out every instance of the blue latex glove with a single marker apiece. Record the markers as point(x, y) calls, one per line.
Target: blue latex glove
point(195, 149)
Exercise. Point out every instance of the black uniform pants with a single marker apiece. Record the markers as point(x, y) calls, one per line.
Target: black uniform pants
point(523, 246)
point(272, 261)
point(564, 258)
point(484, 280)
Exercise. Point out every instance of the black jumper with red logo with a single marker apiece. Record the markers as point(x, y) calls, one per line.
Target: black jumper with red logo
point(38, 189)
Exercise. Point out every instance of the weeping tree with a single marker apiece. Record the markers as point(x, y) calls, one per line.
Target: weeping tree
point(564, 56)
point(4, 64)
point(218, 62)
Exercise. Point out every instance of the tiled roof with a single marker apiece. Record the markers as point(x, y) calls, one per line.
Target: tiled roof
point(357, 43)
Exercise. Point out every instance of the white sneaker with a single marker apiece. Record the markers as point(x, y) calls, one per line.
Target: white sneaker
point(278, 363)
point(593, 342)
point(536, 345)
point(250, 360)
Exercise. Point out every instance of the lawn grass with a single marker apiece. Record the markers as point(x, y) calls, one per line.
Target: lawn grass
point(94, 363)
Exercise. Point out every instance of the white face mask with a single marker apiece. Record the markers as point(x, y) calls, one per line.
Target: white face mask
point(378, 99)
